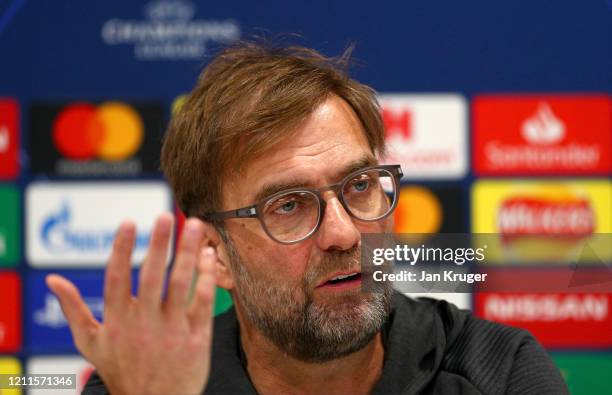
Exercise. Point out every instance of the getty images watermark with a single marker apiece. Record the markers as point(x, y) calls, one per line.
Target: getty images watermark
point(468, 262)
point(422, 254)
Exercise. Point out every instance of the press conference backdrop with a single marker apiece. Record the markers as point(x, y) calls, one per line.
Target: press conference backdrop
point(498, 111)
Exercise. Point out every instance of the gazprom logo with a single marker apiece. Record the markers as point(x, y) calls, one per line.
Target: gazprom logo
point(59, 235)
point(74, 224)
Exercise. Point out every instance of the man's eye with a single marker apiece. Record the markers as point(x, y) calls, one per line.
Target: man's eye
point(286, 207)
point(361, 186)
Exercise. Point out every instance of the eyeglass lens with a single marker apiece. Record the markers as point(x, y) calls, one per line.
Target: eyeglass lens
point(294, 216)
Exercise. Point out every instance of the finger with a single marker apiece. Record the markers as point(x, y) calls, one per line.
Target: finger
point(201, 308)
point(117, 278)
point(184, 266)
point(152, 272)
point(81, 321)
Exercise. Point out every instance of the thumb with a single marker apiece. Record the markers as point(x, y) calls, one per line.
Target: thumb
point(81, 321)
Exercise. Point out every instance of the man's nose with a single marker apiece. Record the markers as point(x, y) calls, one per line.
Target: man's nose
point(337, 230)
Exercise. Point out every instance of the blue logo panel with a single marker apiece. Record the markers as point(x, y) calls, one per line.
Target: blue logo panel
point(46, 326)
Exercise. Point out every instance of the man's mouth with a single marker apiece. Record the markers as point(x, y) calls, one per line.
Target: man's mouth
point(342, 281)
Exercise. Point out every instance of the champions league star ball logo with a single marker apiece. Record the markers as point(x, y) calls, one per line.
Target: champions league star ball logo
point(169, 32)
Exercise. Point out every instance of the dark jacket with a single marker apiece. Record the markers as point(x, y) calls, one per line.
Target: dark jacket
point(431, 347)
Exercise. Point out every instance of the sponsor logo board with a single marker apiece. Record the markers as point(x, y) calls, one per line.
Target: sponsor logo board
point(544, 220)
point(110, 138)
point(10, 312)
point(568, 134)
point(47, 330)
point(74, 223)
point(586, 372)
point(177, 103)
point(10, 365)
point(60, 365)
point(9, 139)
point(10, 226)
point(557, 320)
point(426, 134)
point(428, 209)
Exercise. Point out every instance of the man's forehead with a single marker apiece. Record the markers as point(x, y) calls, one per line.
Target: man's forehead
point(285, 181)
point(295, 176)
point(326, 146)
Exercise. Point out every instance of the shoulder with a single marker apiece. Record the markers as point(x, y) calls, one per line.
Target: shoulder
point(495, 358)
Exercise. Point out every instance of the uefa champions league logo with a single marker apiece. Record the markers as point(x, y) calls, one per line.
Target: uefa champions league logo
point(169, 32)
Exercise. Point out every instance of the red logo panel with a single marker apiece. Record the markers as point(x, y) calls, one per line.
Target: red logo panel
point(569, 134)
point(557, 320)
point(9, 139)
point(10, 312)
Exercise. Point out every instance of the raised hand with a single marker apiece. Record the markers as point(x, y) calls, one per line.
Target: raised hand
point(149, 345)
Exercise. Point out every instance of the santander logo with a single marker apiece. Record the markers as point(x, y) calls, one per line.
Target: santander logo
point(542, 134)
point(543, 127)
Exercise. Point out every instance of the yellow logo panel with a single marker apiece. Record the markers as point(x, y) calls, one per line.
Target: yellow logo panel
point(10, 365)
point(544, 220)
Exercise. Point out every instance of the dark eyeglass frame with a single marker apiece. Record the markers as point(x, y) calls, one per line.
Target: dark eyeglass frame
point(256, 210)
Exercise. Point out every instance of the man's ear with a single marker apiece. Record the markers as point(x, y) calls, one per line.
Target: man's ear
point(223, 273)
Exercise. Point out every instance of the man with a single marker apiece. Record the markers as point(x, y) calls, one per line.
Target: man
point(277, 151)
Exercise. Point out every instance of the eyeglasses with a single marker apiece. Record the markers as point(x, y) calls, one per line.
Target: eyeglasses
point(293, 215)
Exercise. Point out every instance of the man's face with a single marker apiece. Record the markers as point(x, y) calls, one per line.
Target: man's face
point(283, 290)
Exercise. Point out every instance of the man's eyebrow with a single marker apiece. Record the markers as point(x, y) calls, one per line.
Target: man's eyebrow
point(271, 189)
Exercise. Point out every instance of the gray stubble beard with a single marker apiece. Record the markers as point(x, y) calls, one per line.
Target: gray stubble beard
point(306, 330)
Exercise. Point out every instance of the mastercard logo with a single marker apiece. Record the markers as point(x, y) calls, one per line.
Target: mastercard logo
point(418, 211)
point(111, 131)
